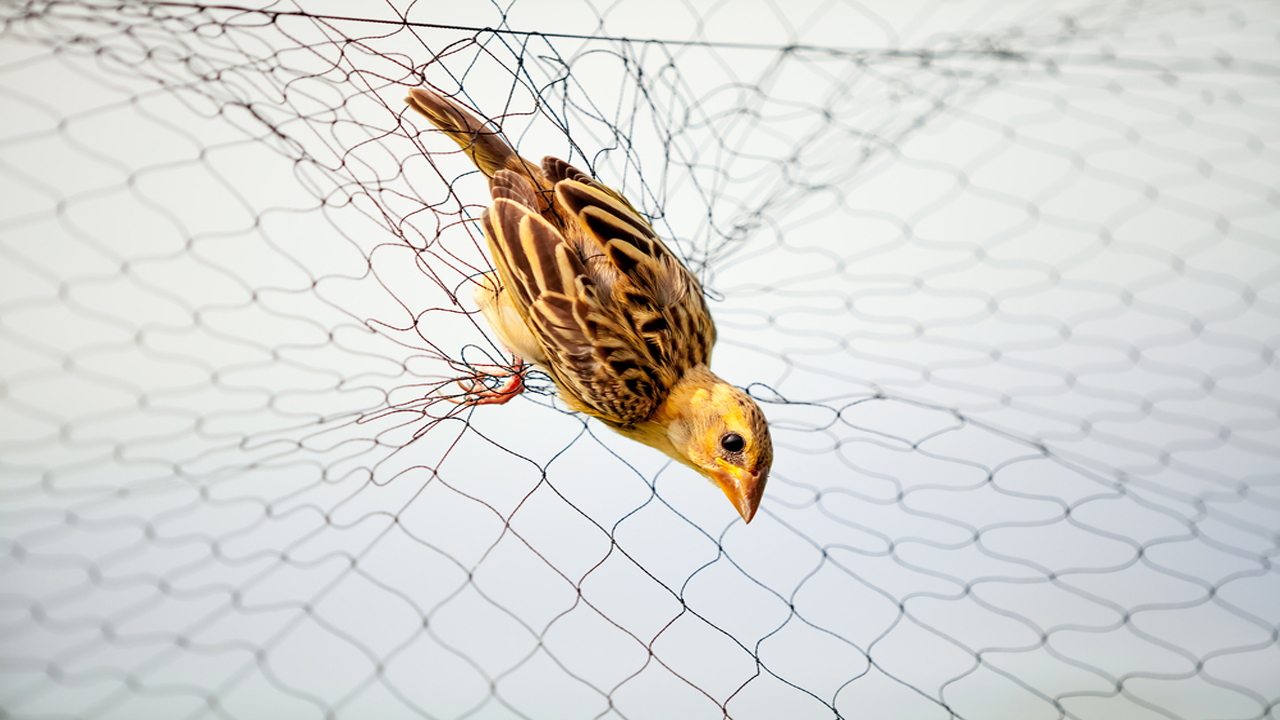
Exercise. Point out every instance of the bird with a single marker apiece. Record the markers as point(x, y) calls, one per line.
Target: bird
point(584, 289)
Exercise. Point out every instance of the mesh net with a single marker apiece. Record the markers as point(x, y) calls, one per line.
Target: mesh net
point(1004, 277)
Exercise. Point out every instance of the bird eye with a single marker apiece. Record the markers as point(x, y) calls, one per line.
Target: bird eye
point(732, 442)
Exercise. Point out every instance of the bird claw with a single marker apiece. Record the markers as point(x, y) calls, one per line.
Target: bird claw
point(476, 392)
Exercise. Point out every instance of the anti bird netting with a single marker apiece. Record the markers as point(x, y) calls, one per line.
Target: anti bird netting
point(1005, 277)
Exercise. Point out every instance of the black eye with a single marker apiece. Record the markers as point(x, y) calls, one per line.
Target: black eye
point(732, 442)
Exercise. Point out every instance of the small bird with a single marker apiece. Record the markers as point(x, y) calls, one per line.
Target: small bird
point(584, 289)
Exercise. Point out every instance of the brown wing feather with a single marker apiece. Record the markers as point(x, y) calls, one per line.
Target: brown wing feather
point(654, 294)
point(594, 362)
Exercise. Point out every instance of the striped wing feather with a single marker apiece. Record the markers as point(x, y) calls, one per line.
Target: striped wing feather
point(618, 317)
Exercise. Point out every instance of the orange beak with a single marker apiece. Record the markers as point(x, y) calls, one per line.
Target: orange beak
point(743, 487)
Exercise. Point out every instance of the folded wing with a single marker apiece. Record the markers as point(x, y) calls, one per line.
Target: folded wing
point(617, 315)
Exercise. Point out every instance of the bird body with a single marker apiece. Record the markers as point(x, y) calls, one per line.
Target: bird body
point(586, 290)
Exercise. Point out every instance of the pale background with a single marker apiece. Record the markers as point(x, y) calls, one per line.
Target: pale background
point(1005, 276)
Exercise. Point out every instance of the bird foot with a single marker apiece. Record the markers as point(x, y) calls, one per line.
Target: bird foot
point(478, 390)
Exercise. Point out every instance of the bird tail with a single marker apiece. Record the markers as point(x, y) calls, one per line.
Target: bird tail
point(482, 144)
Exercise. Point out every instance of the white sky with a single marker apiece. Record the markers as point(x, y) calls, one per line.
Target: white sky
point(191, 322)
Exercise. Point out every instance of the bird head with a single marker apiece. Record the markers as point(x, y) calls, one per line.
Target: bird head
point(718, 430)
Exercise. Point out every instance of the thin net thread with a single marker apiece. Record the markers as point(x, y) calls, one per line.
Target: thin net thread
point(1004, 278)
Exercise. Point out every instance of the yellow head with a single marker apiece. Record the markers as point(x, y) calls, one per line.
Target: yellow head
point(718, 430)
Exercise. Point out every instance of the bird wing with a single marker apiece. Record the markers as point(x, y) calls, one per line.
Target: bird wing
point(618, 316)
point(652, 292)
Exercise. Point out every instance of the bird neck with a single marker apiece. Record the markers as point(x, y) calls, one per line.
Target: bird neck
point(693, 388)
point(672, 421)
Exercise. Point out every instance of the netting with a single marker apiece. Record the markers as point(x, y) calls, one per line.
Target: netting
point(1004, 276)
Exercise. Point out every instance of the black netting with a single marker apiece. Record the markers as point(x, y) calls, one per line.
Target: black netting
point(1005, 277)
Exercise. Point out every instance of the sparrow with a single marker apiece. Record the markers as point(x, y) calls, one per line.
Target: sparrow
point(584, 289)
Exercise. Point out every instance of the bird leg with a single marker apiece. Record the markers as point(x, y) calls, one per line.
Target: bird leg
point(513, 335)
point(477, 392)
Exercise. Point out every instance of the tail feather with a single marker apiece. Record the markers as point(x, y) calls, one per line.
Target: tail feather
point(483, 144)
